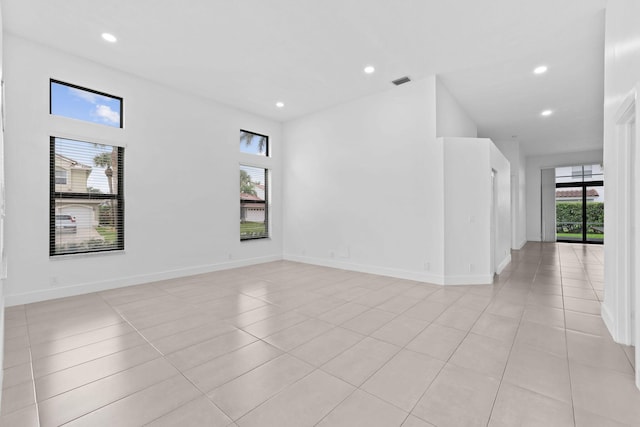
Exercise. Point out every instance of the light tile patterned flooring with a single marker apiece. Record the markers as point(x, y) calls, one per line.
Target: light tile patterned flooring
point(288, 344)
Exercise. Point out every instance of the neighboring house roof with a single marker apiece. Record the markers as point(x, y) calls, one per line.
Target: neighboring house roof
point(74, 164)
point(245, 196)
point(576, 193)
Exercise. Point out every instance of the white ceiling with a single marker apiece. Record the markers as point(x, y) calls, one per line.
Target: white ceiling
point(310, 54)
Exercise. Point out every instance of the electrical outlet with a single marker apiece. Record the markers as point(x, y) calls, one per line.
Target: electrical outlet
point(427, 265)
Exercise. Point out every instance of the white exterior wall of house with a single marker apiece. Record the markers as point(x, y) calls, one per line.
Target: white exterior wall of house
point(260, 191)
point(596, 169)
point(197, 137)
point(254, 214)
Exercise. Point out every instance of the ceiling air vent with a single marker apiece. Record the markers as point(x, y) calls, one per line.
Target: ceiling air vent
point(401, 81)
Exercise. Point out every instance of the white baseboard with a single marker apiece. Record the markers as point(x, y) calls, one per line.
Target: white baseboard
point(103, 285)
point(503, 264)
point(521, 244)
point(468, 280)
point(609, 321)
point(420, 276)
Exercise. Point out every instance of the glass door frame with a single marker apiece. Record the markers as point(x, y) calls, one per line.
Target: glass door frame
point(583, 185)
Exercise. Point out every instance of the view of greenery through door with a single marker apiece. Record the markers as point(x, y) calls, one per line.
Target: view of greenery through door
point(580, 204)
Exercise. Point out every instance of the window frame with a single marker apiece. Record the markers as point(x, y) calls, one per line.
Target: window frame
point(577, 171)
point(53, 195)
point(267, 153)
point(267, 201)
point(66, 177)
point(71, 85)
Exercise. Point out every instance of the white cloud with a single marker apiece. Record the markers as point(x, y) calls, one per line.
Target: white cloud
point(92, 98)
point(107, 114)
point(83, 94)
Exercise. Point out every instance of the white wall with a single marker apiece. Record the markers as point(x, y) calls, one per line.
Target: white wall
point(451, 119)
point(363, 185)
point(537, 163)
point(548, 204)
point(512, 151)
point(622, 75)
point(467, 193)
point(500, 164)
point(181, 179)
point(2, 215)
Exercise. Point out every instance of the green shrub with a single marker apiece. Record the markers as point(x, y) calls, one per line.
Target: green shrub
point(572, 212)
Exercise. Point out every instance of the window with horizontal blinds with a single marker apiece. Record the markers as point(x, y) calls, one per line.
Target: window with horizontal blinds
point(579, 173)
point(86, 197)
point(254, 202)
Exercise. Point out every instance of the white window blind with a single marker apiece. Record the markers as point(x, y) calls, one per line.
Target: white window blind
point(87, 207)
point(254, 202)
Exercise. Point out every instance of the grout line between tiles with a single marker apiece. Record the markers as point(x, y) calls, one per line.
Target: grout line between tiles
point(513, 343)
point(409, 413)
point(501, 285)
point(176, 368)
point(33, 378)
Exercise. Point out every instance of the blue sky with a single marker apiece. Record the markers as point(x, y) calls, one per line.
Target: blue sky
point(84, 105)
point(252, 148)
point(257, 174)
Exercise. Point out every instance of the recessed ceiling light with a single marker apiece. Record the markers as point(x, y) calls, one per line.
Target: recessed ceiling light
point(369, 69)
point(540, 70)
point(109, 37)
point(546, 113)
point(279, 104)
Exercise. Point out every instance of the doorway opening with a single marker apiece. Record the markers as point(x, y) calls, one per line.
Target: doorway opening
point(580, 204)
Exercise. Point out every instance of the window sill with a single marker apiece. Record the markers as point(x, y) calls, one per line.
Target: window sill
point(253, 239)
point(86, 255)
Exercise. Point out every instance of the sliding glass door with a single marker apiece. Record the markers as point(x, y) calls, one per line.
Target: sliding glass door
point(569, 214)
point(595, 214)
point(580, 204)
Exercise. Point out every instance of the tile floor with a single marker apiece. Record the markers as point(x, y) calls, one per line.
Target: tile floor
point(288, 344)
